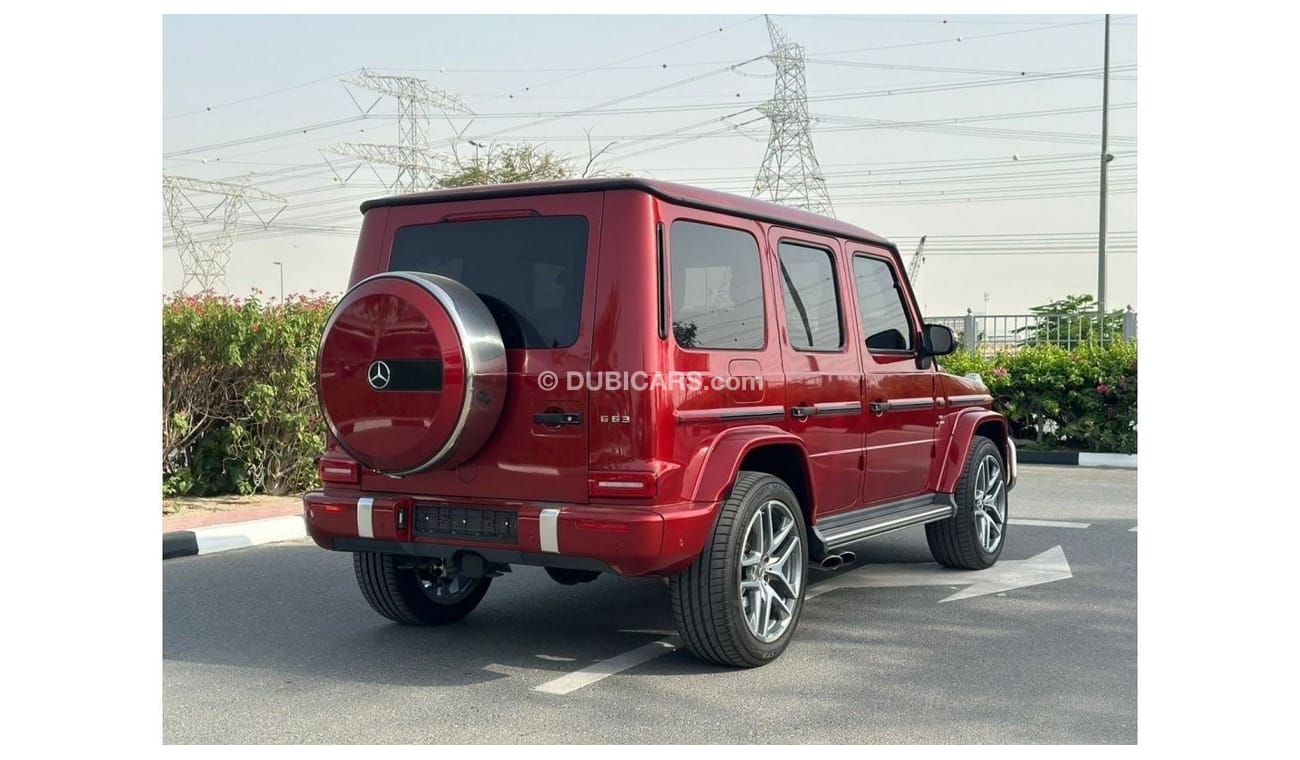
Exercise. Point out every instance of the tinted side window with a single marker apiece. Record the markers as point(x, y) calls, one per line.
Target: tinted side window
point(717, 287)
point(880, 300)
point(812, 301)
point(529, 271)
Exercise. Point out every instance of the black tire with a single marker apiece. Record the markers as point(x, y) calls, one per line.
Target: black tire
point(955, 542)
point(706, 599)
point(399, 594)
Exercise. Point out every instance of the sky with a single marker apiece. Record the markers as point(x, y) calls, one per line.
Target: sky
point(1002, 176)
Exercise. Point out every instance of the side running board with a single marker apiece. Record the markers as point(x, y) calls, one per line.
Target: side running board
point(835, 531)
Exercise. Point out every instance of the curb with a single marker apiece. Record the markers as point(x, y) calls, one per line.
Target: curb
point(1077, 458)
point(221, 538)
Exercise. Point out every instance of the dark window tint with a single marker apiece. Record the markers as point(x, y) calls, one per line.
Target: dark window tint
point(529, 271)
point(884, 318)
point(717, 287)
point(812, 303)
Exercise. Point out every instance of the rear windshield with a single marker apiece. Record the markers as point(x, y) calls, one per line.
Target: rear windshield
point(529, 271)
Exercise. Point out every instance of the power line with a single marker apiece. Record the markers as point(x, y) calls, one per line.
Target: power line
point(601, 109)
point(888, 200)
point(629, 58)
point(923, 162)
point(267, 136)
point(831, 119)
point(260, 95)
point(965, 38)
point(930, 180)
point(944, 69)
point(941, 20)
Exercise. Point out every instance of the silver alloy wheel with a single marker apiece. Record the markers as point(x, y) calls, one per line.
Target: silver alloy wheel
point(447, 590)
point(771, 571)
point(990, 507)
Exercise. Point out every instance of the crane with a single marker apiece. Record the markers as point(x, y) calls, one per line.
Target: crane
point(918, 258)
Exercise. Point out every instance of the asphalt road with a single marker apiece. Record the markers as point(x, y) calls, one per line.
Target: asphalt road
point(275, 644)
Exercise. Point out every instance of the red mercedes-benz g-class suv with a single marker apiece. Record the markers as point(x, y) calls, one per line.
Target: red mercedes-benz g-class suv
point(642, 378)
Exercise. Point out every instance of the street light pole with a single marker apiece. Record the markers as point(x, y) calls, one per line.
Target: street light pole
point(1105, 161)
point(279, 264)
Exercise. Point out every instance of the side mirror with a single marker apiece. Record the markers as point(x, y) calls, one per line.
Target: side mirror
point(938, 341)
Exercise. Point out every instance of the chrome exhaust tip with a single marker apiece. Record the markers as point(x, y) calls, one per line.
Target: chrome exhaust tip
point(848, 558)
point(831, 562)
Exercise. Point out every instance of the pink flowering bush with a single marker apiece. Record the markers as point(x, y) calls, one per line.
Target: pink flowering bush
point(1082, 398)
point(239, 401)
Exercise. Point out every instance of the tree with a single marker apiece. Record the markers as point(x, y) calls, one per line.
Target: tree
point(521, 162)
point(1071, 321)
point(509, 163)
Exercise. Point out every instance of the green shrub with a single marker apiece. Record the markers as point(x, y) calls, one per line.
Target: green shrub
point(239, 400)
point(1082, 398)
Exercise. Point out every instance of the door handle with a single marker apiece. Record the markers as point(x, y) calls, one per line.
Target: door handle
point(558, 418)
point(803, 411)
point(878, 407)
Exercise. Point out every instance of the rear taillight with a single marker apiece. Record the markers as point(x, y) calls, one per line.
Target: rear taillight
point(339, 470)
point(621, 484)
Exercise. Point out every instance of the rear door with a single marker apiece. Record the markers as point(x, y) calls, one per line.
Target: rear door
point(532, 262)
point(822, 371)
point(900, 398)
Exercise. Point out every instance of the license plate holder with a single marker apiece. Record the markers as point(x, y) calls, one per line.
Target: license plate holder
point(471, 523)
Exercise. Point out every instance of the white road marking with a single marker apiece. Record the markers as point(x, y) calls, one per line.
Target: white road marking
point(1047, 523)
point(220, 538)
point(555, 658)
point(1007, 575)
point(1134, 529)
point(606, 668)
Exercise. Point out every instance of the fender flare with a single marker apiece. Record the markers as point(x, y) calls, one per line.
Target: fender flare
point(960, 434)
point(712, 470)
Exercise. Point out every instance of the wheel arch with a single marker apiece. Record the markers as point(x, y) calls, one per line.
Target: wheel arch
point(965, 427)
point(761, 448)
point(787, 462)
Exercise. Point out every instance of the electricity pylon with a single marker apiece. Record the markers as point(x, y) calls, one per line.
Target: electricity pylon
point(204, 260)
point(416, 99)
point(790, 174)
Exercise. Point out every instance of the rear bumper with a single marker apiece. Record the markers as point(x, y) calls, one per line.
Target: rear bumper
point(620, 539)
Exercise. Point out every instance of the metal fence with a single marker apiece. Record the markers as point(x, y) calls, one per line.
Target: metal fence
point(990, 333)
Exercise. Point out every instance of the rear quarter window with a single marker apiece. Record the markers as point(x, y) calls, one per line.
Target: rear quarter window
point(530, 271)
point(717, 287)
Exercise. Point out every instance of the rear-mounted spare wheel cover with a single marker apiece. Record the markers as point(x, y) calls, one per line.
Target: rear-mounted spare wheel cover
point(412, 372)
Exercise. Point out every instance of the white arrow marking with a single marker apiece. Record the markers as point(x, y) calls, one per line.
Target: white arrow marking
point(1006, 575)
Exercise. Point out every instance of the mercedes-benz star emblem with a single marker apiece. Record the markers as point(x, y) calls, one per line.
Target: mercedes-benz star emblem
point(379, 375)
